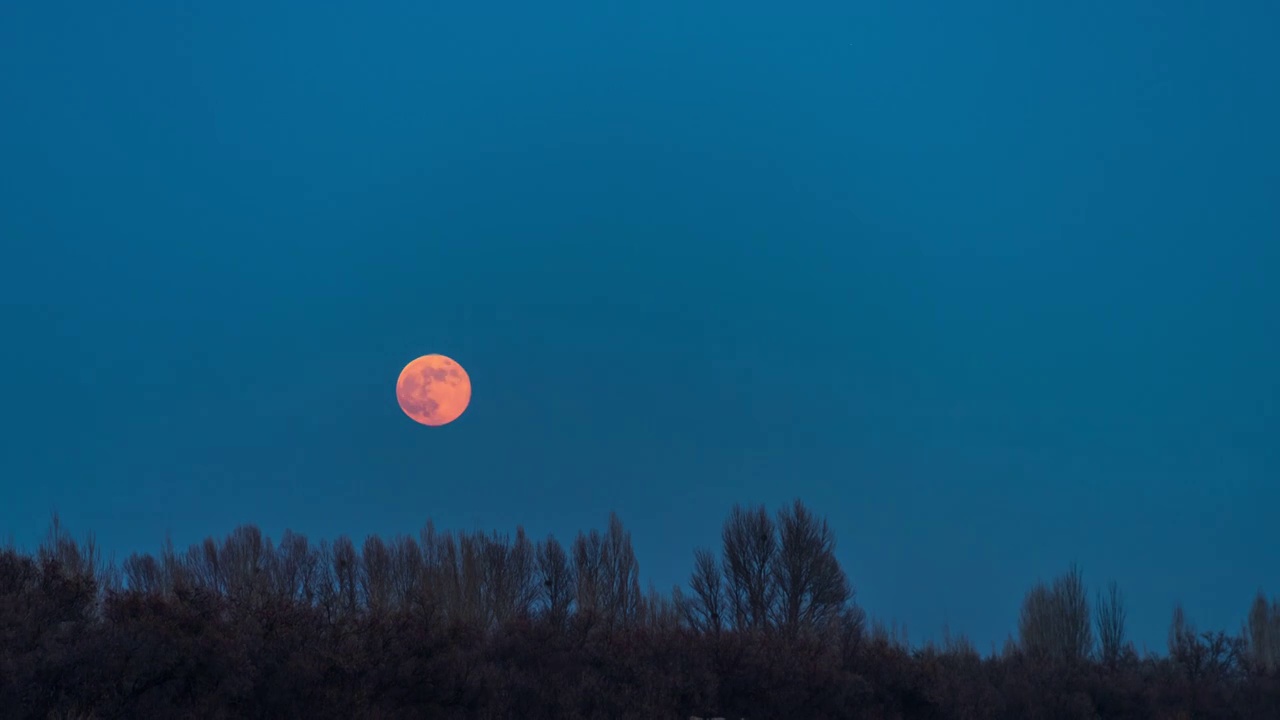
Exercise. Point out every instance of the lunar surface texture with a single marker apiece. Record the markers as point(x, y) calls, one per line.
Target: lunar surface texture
point(433, 390)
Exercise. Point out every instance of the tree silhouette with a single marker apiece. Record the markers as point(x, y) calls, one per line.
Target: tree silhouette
point(476, 625)
point(1055, 622)
point(705, 611)
point(559, 585)
point(1111, 615)
point(750, 548)
point(812, 587)
point(1263, 635)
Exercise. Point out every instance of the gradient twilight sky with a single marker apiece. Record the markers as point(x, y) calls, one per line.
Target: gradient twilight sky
point(992, 285)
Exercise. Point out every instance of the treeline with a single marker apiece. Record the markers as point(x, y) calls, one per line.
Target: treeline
point(481, 625)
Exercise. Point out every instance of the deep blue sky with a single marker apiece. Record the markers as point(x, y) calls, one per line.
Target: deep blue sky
point(992, 285)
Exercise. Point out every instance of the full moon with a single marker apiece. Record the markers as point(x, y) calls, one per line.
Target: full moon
point(433, 390)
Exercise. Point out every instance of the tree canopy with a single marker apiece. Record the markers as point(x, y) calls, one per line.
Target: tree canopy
point(486, 625)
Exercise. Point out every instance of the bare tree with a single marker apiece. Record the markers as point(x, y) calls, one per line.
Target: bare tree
point(557, 584)
point(750, 545)
point(1073, 603)
point(1035, 624)
point(345, 565)
point(1263, 634)
point(176, 569)
point(957, 645)
point(74, 559)
point(705, 611)
point(461, 576)
point(375, 576)
point(1110, 619)
point(620, 575)
point(508, 577)
point(406, 571)
point(1203, 659)
point(243, 562)
point(587, 571)
point(1055, 619)
point(658, 612)
point(522, 562)
point(813, 588)
point(293, 568)
point(431, 595)
point(1182, 633)
point(204, 566)
point(143, 574)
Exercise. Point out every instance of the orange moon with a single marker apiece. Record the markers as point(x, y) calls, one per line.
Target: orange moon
point(433, 390)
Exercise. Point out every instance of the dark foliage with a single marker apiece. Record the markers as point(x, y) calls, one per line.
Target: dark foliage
point(469, 625)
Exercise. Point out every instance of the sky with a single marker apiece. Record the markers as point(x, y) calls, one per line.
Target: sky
point(989, 285)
